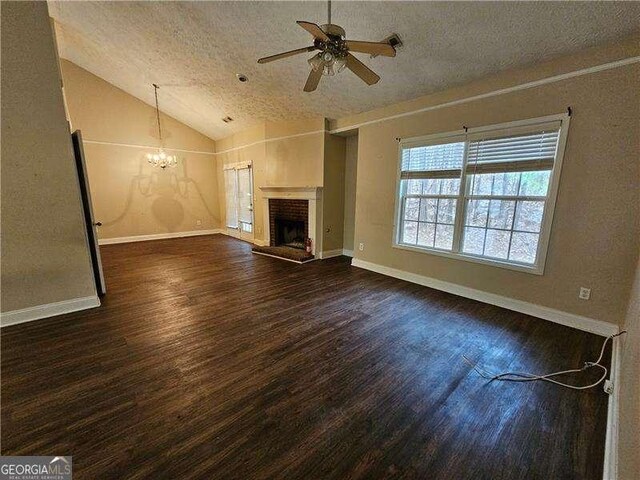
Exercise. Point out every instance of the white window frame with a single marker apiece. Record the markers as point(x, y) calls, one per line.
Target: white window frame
point(462, 135)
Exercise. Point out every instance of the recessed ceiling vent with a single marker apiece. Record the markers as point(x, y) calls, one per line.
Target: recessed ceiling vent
point(227, 119)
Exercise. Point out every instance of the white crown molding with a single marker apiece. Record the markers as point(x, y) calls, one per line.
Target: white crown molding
point(557, 316)
point(146, 147)
point(38, 312)
point(229, 150)
point(494, 93)
point(269, 140)
point(157, 236)
point(610, 470)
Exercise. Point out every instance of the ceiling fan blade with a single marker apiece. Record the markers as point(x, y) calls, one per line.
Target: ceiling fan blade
point(313, 80)
point(361, 70)
point(285, 54)
point(314, 30)
point(373, 48)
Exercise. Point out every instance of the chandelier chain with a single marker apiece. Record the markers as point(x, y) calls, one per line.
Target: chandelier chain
point(160, 158)
point(158, 112)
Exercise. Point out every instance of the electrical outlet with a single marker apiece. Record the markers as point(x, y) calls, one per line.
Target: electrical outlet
point(585, 293)
point(361, 247)
point(198, 222)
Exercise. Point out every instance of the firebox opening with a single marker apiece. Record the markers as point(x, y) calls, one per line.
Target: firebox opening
point(290, 233)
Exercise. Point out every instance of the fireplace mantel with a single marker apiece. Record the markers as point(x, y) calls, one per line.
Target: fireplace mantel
point(314, 196)
point(302, 193)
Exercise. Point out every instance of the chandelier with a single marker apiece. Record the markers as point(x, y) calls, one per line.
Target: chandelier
point(160, 158)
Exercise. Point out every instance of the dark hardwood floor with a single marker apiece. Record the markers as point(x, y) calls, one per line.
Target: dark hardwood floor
point(208, 362)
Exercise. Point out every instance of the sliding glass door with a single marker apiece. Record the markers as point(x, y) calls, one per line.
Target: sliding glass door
point(238, 185)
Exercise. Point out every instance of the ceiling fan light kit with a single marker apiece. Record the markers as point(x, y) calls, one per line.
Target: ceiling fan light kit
point(335, 53)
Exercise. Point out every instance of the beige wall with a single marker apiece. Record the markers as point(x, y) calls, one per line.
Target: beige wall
point(130, 197)
point(282, 154)
point(595, 231)
point(45, 258)
point(333, 193)
point(297, 160)
point(629, 402)
point(556, 66)
point(350, 173)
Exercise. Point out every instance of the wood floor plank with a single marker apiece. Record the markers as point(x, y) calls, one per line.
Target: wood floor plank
point(205, 361)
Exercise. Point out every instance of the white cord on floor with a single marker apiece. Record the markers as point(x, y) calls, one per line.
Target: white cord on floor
point(530, 377)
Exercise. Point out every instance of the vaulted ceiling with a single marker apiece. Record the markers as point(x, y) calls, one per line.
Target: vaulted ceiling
point(194, 50)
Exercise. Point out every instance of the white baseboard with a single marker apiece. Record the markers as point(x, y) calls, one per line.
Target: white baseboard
point(48, 310)
point(256, 241)
point(610, 471)
point(336, 253)
point(157, 236)
point(330, 253)
point(564, 318)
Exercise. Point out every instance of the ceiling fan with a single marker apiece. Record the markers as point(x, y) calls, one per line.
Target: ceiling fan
point(335, 53)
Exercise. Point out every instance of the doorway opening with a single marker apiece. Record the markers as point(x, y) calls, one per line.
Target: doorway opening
point(238, 183)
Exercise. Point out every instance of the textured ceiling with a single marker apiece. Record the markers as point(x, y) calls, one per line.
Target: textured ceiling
point(194, 49)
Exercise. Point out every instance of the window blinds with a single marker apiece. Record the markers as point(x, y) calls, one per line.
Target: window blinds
point(532, 148)
point(514, 153)
point(433, 161)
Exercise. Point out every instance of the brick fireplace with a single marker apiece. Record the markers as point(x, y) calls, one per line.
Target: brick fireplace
point(288, 222)
point(291, 215)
